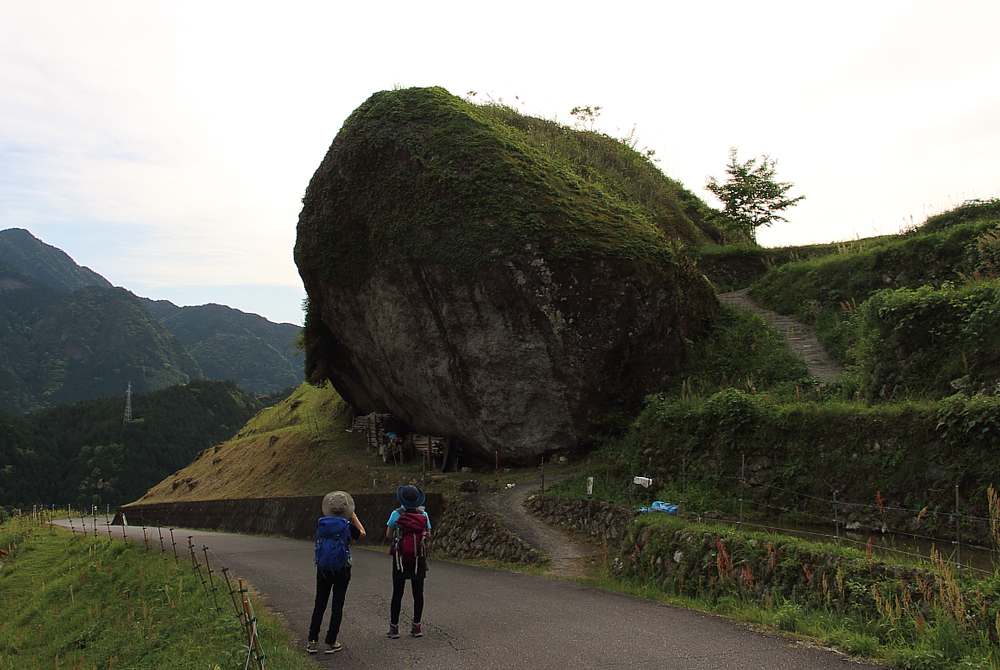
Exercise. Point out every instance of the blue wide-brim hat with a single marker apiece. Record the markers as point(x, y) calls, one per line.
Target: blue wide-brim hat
point(410, 497)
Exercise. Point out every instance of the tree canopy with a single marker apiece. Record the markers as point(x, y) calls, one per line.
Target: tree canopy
point(751, 196)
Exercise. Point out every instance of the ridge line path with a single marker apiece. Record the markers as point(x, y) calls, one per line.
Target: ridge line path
point(491, 619)
point(800, 337)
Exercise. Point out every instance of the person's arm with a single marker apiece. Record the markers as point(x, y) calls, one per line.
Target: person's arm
point(357, 524)
point(390, 525)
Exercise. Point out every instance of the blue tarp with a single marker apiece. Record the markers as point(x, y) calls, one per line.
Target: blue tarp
point(660, 506)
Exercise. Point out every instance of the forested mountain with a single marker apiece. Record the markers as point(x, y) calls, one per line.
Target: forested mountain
point(57, 456)
point(49, 265)
point(229, 344)
point(61, 348)
point(66, 335)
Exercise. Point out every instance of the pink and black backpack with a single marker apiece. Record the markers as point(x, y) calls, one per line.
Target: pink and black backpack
point(409, 542)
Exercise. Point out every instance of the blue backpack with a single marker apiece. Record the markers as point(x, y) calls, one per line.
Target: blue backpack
point(333, 537)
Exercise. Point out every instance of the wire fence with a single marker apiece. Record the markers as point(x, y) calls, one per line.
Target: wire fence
point(826, 518)
point(201, 564)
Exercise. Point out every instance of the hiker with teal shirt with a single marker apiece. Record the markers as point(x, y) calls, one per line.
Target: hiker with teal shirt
point(335, 530)
point(408, 528)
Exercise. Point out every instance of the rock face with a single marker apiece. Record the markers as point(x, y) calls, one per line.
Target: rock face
point(477, 287)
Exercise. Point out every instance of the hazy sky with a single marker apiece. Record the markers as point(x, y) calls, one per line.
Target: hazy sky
point(167, 145)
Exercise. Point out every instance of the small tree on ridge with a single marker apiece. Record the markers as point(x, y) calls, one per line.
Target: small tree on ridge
point(751, 197)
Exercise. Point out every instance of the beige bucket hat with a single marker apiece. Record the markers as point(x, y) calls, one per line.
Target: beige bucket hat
point(338, 503)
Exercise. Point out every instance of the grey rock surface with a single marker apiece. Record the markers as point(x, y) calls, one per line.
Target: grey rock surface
point(516, 361)
point(465, 283)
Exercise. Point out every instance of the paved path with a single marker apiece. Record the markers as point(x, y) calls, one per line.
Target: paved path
point(801, 338)
point(492, 620)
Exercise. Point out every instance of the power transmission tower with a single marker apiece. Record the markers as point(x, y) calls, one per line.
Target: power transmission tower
point(128, 404)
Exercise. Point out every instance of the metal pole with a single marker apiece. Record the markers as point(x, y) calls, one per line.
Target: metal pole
point(743, 466)
point(631, 487)
point(958, 533)
point(684, 487)
point(543, 475)
point(836, 519)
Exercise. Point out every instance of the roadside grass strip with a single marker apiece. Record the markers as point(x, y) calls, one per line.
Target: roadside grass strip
point(75, 601)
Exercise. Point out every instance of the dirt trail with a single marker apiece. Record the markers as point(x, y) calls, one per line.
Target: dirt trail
point(567, 556)
point(801, 338)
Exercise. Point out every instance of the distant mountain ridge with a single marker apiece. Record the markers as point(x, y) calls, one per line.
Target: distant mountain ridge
point(229, 344)
point(48, 264)
point(67, 334)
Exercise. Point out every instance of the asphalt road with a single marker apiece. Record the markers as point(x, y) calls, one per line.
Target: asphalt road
point(489, 619)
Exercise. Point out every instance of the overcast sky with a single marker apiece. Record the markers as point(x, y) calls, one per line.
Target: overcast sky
point(167, 145)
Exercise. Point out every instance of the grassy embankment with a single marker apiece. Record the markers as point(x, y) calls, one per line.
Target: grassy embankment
point(302, 447)
point(892, 612)
point(92, 603)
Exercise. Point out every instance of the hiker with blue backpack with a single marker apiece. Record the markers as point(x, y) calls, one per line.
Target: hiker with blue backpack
point(334, 532)
point(408, 528)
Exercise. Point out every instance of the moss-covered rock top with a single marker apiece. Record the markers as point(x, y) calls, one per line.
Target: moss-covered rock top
point(420, 174)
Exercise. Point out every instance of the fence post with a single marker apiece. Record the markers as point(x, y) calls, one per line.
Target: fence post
point(211, 580)
point(743, 468)
point(684, 487)
point(958, 533)
point(836, 518)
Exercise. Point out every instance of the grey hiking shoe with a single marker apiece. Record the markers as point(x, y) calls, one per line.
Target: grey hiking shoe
point(393, 631)
point(415, 629)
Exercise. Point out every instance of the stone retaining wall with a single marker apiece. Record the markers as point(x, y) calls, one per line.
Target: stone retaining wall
point(758, 567)
point(465, 532)
point(293, 517)
point(604, 522)
point(459, 529)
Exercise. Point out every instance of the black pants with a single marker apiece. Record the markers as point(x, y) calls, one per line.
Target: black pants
point(325, 583)
point(398, 585)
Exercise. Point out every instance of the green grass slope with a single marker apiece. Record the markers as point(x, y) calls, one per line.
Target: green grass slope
point(79, 601)
point(913, 314)
point(438, 178)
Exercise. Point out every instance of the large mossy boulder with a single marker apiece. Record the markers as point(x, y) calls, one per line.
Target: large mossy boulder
point(493, 277)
